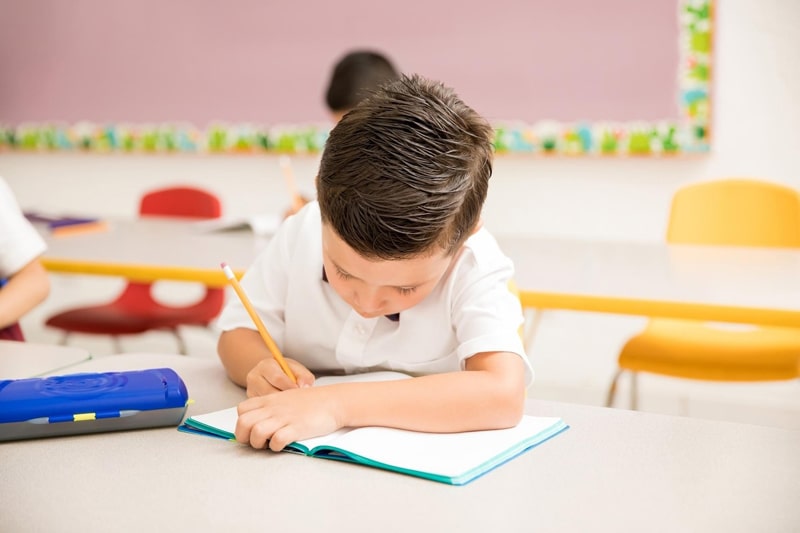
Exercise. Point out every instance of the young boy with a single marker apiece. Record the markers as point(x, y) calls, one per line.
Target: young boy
point(354, 76)
point(390, 269)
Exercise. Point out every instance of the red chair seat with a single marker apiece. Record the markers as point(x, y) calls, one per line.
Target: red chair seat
point(135, 310)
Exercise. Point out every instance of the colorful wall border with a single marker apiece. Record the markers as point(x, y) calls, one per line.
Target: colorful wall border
point(689, 134)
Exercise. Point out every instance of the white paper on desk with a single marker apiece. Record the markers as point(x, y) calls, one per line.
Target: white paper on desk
point(261, 224)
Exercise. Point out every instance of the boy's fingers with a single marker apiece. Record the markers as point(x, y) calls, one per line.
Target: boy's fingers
point(304, 376)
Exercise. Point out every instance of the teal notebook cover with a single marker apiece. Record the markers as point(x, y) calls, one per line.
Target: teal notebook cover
point(452, 458)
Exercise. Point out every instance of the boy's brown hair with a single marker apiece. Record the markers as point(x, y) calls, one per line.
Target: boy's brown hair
point(406, 171)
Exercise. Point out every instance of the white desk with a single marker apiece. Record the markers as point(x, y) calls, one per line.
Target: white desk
point(153, 248)
point(749, 285)
point(694, 282)
point(612, 470)
point(25, 359)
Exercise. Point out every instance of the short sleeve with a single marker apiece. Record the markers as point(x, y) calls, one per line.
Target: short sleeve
point(20, 243)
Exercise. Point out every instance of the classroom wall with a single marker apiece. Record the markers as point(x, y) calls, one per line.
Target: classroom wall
point(756, 133)
point(756, 120)
point(265, 62)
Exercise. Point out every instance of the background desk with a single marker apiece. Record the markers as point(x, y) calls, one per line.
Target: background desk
point(26, 359)
point(153, 249)
point(695, 282)
point(750, 285)
point(612, 470)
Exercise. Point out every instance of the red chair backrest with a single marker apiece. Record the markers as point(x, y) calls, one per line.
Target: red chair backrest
point(184, 202)
point(188, 202)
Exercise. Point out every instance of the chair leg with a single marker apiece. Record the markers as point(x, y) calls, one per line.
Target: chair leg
point(181, 343)
point(612, 390)
point(64, 338)
point(533, 318)
point(634, 391)
point(116, 344)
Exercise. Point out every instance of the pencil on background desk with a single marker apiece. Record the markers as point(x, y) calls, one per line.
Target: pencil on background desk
point(288, 174)
point(262, 329)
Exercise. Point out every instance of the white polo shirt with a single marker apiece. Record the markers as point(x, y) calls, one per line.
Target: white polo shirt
point(20, 243)
point(470, 311)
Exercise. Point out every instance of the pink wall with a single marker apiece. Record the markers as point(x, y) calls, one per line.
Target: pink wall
point(267, 62)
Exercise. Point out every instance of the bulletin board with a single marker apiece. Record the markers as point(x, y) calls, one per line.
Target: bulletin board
point(616, 77)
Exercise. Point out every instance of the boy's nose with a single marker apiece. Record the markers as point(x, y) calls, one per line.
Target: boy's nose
point(369, 302)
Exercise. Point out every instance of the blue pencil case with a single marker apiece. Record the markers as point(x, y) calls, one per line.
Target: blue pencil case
point(91, 403)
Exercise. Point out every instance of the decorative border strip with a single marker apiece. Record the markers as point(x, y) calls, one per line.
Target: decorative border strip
point(689, 134)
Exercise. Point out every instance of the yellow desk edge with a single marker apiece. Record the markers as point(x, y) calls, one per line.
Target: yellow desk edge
point(213, 277)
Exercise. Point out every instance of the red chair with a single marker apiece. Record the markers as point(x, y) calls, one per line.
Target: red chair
point(135, 310)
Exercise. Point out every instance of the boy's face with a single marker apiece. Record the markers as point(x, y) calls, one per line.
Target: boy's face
point(375, 287)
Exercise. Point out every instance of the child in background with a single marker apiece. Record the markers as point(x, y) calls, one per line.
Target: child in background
point(25, 281)
point(389, 270)
point(354, 76)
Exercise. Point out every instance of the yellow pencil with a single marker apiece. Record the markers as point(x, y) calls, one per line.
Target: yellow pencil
point(291, 185)
point(262, 329)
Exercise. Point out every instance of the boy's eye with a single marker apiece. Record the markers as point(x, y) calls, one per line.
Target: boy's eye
point(405, 291)
point(342, 274)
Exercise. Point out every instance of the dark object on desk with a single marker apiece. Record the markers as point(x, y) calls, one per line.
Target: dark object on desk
point(136, 310)
point(91, 403)
point(61, 226)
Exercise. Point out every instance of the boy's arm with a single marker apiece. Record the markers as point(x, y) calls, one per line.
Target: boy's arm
point(489, 394)
point(26, 289)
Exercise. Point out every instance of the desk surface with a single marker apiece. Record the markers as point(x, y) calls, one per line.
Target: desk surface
point(25, 359)
point(695, 282)
point(613, 470)
point(753, 285)
point(153, 248)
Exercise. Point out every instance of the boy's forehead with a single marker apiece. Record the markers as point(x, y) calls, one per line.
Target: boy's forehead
point(399, 272)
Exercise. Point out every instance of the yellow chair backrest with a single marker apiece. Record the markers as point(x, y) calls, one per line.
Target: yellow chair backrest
point(736, 212)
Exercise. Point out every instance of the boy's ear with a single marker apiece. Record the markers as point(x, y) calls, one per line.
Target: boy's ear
point(478, 226)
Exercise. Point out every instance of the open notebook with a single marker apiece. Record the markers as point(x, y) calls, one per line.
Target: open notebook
point(453, 458)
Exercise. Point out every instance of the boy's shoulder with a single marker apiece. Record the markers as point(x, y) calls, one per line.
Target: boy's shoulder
point(482, 247)
point(479, 261)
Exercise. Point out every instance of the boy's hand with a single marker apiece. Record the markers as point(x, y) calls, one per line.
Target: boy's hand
point(267, 377)
point(280, 419)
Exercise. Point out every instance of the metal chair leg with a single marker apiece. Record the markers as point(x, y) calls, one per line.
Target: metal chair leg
point(634, 391)
point(612, 390)
point(533, 317)
point(181, 343)
point(116, 344)
point(64, 338)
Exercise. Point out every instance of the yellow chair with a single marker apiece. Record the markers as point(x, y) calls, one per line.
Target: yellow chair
point(733, 212)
